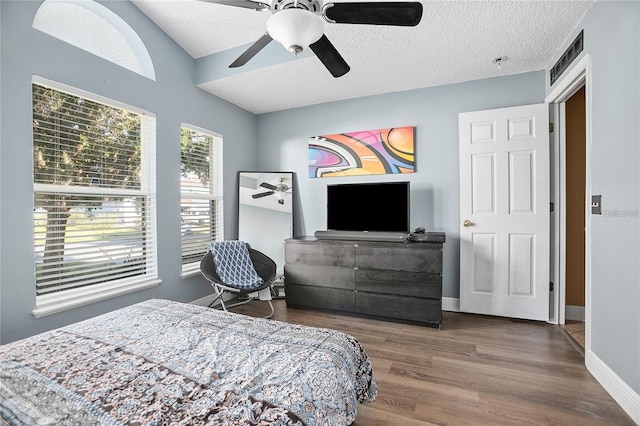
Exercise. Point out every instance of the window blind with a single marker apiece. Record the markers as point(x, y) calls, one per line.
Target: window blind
point(201, 203)
point(94, 192)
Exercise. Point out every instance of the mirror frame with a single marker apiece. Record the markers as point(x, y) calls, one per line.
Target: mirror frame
point(268, 223)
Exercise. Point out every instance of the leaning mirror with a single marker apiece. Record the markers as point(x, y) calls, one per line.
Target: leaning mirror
point(265, 214)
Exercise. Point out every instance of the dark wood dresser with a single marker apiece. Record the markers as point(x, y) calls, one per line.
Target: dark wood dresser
point(388, 280)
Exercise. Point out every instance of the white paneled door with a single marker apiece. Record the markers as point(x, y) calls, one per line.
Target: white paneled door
point(504, 212)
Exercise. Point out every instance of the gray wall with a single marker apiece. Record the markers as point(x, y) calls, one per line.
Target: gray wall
point(612, 39)
point(283, 140)
point(173, 98)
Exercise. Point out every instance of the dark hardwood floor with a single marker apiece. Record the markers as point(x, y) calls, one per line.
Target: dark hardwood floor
point(476, 370)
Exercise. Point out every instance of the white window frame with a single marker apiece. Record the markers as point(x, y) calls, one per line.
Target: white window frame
point(68, 299)
point(214, 194)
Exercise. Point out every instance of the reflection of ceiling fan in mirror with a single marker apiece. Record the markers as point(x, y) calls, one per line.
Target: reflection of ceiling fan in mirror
point(278, 190)
point(298, 24)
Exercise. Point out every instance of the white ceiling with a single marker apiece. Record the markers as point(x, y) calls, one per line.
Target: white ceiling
point(455, 41)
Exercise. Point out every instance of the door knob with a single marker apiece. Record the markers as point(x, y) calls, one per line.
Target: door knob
point(467, 223)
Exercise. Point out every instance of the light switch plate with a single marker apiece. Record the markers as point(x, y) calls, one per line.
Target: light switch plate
point(596, 204)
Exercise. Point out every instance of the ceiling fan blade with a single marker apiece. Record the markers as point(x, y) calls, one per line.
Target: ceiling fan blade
point(262, 194)
point(330, 57)
point(405, 14)
point(252, 51)
point(246, 4)
point(268, 186)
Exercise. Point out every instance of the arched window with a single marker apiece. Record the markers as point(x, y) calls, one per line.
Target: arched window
point(96, 29)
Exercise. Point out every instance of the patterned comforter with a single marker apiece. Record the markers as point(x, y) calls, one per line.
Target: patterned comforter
point(162, 362)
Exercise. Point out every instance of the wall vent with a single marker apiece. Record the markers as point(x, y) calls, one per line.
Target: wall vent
point(567, 57)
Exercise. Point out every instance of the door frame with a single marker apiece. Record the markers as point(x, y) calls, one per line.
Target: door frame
point(576, 78)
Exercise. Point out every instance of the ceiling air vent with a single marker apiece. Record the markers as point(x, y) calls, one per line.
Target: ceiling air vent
point(567, 57)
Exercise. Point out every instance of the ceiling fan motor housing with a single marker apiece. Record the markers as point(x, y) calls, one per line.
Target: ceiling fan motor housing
point(311, 5)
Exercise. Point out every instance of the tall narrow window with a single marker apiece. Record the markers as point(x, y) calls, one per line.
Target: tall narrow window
point(94, 198)
point(201, 203)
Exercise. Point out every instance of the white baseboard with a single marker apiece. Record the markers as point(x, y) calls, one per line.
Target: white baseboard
point(626, 397)
point(574, 313)
point(204, 301)
point(451, 304)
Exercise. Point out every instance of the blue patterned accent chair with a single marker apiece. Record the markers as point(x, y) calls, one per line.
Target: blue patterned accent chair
point(248, 273)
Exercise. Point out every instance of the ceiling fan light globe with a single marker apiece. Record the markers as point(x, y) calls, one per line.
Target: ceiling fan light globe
point(295, 29)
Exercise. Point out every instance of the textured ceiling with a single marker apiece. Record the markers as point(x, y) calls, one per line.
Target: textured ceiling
point(455, 41)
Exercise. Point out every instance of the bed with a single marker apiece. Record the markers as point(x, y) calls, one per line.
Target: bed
point(164, 362)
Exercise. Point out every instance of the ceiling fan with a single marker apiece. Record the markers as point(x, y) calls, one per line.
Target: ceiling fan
point(297, 24)
point(279, 190)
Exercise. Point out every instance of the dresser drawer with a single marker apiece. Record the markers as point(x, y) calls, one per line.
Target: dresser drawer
point(402, 283)
point(319, 276)
point(400, 307)
point(327, 254)
point(413, 257)
point(320, 297)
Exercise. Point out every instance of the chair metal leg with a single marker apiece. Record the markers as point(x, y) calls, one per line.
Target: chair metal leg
point(272, 310)
point(249, 300)
point(219, 293)
point(239, 303)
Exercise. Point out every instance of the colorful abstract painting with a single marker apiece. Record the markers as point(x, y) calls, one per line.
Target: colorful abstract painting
point(370, 152)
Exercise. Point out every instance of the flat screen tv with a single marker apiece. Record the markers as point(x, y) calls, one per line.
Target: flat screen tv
point(380, 207)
